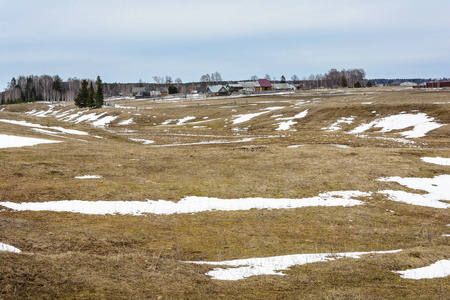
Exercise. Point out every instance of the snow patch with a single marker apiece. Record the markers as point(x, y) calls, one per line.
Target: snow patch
point(244, 268)
point(8, 248)
point(437, 160)
point(439, 269)
point(32, 125)
point(286, 125)
point(247, 117)
point(88, 177)
point(421, 123)
point(190, 204)
point(336, 125)
point(144, 142)
point(103, 122)
point(126, 122)
point(438, 189)
point(12, 141)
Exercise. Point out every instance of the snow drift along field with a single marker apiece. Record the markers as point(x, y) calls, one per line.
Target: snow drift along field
point(189, 204)
point(12, 141)
point(244, 268)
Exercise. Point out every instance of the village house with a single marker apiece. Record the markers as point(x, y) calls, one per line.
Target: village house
point(217, 90)
point(263, 85)
point(234, 87)
point(283, 87)
point(247, 85)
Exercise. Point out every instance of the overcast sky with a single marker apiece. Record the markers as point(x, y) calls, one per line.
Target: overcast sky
point(124, 41)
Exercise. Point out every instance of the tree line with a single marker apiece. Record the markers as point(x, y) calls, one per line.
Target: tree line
point(38, 88)
point(335, 79)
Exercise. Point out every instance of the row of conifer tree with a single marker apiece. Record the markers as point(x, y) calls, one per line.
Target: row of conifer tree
point(88, 97)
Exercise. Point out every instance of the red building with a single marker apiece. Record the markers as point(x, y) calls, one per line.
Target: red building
point(264, 85)
point(439, 84)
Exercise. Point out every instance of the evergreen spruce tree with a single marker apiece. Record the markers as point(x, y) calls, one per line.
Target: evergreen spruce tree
point(90, 100)
point(173, 89)
point(357, 84)
point(83, 94)
point(343, 81)
point(283, 79)
point(57, 86)
point(98, 99)
point(369, 83)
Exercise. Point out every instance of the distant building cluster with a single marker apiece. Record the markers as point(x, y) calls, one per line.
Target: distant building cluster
point(260, 85)
point(431, 85)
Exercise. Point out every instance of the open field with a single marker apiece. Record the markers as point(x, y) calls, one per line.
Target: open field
point(296, 146)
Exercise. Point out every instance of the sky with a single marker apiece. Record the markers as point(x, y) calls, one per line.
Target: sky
point(128, 41)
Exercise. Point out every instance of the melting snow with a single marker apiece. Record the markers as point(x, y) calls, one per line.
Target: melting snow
point(190, 204)
point(88, 177)
point(295, 146)
point(104, 121)
point(185, 120)
point(421, 122)
point(11, 141)
point(438, 189)
point(247, 117)
point(61, 129)
point(286, 125)
point(145, 142)
point(8, 248)
point(336, 126)
point(340, 146)
point(437, 160)
point(244, 268)
point(437, 270)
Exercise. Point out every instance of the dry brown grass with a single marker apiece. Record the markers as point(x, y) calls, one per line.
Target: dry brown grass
point(74, 256)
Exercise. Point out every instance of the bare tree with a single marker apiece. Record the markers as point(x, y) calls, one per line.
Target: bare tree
point(267, 77)
point(218, 76)
point(254, 78)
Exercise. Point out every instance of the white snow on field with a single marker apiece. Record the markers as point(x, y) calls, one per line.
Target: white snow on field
point(421, 123)
point(8, 248)
point(285, 125)
point(89, 117)
point(437, 160)
point(144, 142)
point(88, 177)
point(126, 122)
point(69, 118)
point(32, 125)
point(336, 125)
point(185, 120)
point(295, 146)
point(247, 117)
point(104, 121)
point(438, 189)
point(182, 121)
point(244, 268)
point(437, 270)
point(340, 146)
point(190, 204)
point(166, 122)
point(290, 120)
point(11, 141)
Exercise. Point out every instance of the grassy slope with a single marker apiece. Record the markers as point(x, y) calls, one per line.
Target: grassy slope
point(93, 257)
